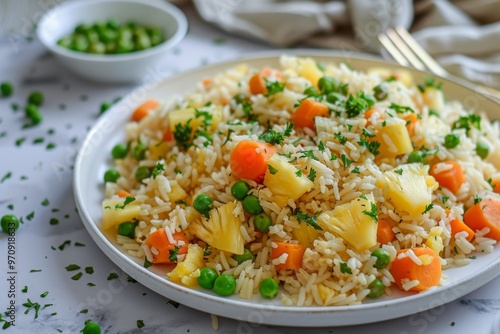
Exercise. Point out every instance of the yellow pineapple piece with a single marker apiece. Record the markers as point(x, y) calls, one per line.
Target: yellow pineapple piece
point(325, 292)
point(187, 271)
point(158, 150)
point(409, 187)
point(176, 193)
point(183, 116)
point(114, 213)
point(282, 201)
point(433, 98)
point(305, 234)
point(308, 69)
point(284, 181)
point(355, 222)
point(394, 139)
point(221, 230)
point(435, 241)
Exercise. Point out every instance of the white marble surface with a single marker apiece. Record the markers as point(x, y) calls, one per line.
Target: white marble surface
point(41, 182)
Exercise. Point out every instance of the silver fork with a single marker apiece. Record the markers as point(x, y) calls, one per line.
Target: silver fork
point(407, 52)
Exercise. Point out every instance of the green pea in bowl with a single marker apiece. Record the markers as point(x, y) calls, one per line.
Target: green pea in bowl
point(112, 41)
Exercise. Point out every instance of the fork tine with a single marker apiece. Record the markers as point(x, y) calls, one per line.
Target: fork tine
point(393, 51)
point(404, 49)
point(431, 64)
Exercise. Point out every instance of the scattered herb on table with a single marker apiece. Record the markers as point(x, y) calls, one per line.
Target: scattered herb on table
point(112, 276)
point(77, 276)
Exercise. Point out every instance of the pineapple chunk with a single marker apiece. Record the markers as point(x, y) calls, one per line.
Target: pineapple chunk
point(305, 235)
point(409, 187)
point(355, 222)
point(187, 271)
point(221, 230)
point(394, 140)
point(284, 182)
point(403, 76)
point(182, 116)
point(176, 193)
point(434, 241)
point(325, 292)
point(433, 98)
point(158, 150)
point(113, 215)
point(308, 69)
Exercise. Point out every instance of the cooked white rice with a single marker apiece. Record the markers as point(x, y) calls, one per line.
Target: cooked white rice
point(333, 271)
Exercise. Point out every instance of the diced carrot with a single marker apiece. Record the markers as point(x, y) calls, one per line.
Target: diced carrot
point(458, 226)
point(167, 134)
point(428, 273)
point(164, 248)
point(295, 253)
point(368, 115)
point(495, 185)
point(411, 123)
point(249, 159)
point(485, 214)
point(123, 193)
point(207, 82)
point(385, 234)
point(451, 178)
point(257, 84)
point(144, 109)
point(308, 109)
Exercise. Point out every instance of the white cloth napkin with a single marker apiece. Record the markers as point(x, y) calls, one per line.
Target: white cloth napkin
point(463, 35)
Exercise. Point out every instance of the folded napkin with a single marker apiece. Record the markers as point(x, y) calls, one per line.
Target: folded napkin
point(463, 35)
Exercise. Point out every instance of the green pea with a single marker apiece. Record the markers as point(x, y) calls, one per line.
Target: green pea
point(36, 98)
point(383, 258)
point(240, 189)
point(91, 328)
point(33, 114)
point(380, 92)
point(142, 173)
point(97, 48)
point(251, 205)
point(225, 285)
point(139, 151)
point(9, 223)
point(119, 151)
point(203, 204)
point(334, 98)
point(376, 288)
point(111, 47)
point(247, 255)
point(80, 43)
point(111, 175)
point(108, 35)
point(125, 34)
point(451, 140)
point(6, 89)
point(482, 150)
point(65, 42)
point(207, 277)
point(142, 42)
point(156, 38)
point(124, 46)
point(311, 91)
point(127, 229)
point(92, 36)
point(262, 222)
point(369, 99)
point(416, 157)
point(268, 288)
point(82, 28)
point(112, 24)
point(328, 85)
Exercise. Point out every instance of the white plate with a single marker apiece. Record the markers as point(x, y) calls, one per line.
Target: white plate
point(94, 159)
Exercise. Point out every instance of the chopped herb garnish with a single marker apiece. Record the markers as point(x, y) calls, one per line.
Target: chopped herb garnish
point(177, 171)
point(207, 117)
point(228, 137)
point(355, 170)
point(128, 200)
point(309, 220)
point(90, 284)
point(276, 138)
point(89, 270)
point(77, 276)
point(72, 267)
point(35, 270)
point(345, 160)
point(181, 201)
point(341, 138)
point(140, 323)
point(173, 254)
point(399, 171)
point(158, 170)
point(5, 177)
point(373, 213)
point(50, 146)
point(30, 305)
point(465, 122)
point(84, 311)
point(31, 215)
point(298, 173)
point(371, 146)
point(321, 146)
point(400, 109)
point(173, 303)
point(112, 276)
point(20, 141)
point(428, 208)
point(477, 199)
point(182, 134)
point(79, 244)
point(272, 170)
point(44, 294)
point(147, 264)
point(429, 82)
point(273, 87)
point(308, 154)
point(25, 289)
point(53, 221)
point(45, 202)
point(344, 268)
point(131, 279)
point(312, 174)
point(64, 244)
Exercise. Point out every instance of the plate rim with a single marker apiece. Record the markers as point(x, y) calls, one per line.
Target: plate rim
point(288, 313)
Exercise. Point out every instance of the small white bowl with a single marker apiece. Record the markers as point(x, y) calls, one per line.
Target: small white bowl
point(111, 68)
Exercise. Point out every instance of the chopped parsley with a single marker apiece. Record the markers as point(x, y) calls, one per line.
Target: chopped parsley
point(371, 146)
point(355, 170)
point(44, 294)
point(312, 174)
point(477, 199)
point(72, 267)
point(112, 276)
point(373, 213)
point(354, 106)
point(5, 177)
point(128, 200)
point(308, 154)
point(173, 254)
point(45, 202)
point(399, 171)
point(54, 221)
point(428, 208)
point(31, 305)
point(309, 220)
point(298, 173)
point(341, 138)
point(465, 122)
point(35, 270)
point(321, 146)
point(173, 303)
point(20, 141)
point(274, 137)
point(273, 87)
point(345, 160)
point(344, 268)
point(158, 170)
point(431, 83)
point(147, 264)
point(207, 117)
point(182, 134)
point(272, 170)
point(400, 109)
point(140, 323)
point(89, 270)
point(64, 244)
point(77, 276)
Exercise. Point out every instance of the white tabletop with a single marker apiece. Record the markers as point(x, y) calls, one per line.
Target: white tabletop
point(36, 173)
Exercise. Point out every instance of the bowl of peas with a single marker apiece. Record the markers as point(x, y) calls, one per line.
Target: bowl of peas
point(112, 41)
